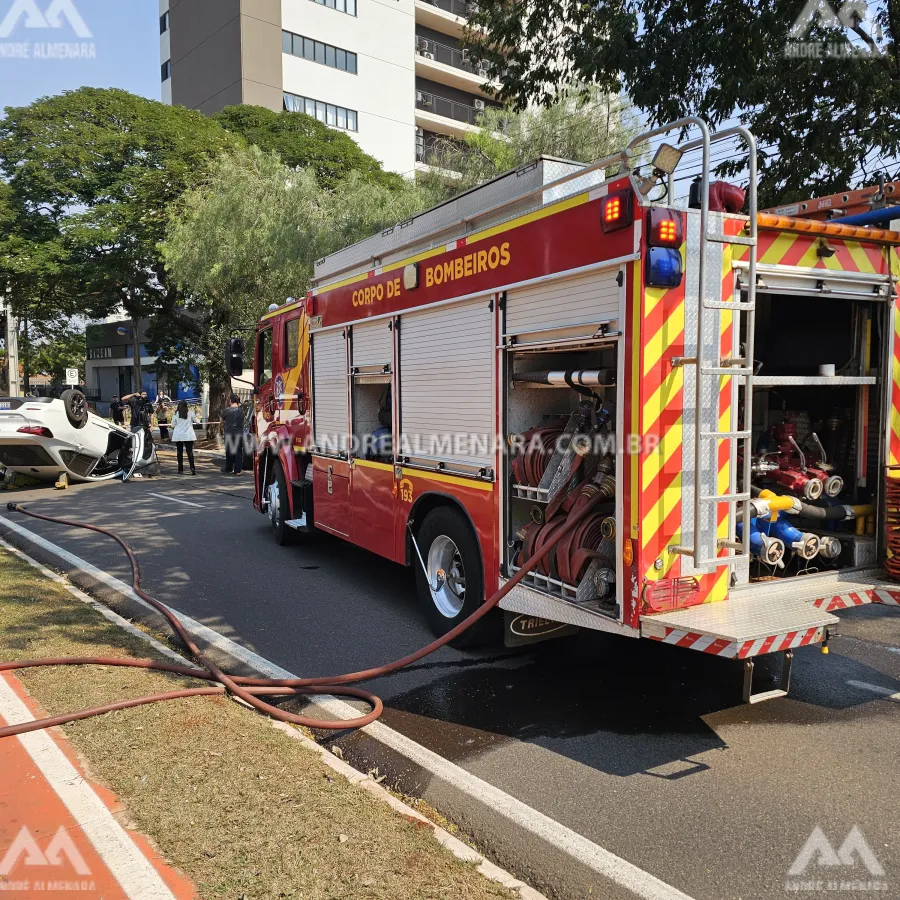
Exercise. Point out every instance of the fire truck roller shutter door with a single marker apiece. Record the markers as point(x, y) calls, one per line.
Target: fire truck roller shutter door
point(330, 391)
point(372, 344)
point(563, 307)
point(446, 393)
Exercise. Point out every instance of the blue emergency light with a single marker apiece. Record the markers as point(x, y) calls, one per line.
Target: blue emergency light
point(663, 267)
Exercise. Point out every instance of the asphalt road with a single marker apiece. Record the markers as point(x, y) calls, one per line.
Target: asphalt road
point(645, 749)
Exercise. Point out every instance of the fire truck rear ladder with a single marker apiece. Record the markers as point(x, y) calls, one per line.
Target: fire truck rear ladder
point(705, 552)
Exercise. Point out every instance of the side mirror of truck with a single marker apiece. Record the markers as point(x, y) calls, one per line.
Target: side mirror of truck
point(234, 357)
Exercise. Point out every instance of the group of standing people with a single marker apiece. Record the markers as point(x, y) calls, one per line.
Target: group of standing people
point(183, 434)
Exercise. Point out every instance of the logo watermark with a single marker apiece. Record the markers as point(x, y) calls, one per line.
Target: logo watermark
point(60, 15)
point(26, 854)
point(851, 868)
point(459, 445)
point(857, 34)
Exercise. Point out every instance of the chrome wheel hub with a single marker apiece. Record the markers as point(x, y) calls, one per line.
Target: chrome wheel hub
point(446, 576)
point(274, 504)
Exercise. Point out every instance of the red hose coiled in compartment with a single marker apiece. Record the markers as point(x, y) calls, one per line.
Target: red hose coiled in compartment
point(892, 500)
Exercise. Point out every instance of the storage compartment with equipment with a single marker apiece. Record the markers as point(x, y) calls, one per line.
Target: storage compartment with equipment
point(817, 433)
point(560, 423)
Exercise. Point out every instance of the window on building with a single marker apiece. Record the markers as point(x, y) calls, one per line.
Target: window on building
point(164, 22)
point(166, 70)
point(316, 51)
point(291, 343)
point(329, 113)
point(344, 6)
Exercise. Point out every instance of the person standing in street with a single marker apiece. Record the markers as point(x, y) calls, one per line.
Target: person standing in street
point(184, 436)
point(233, 428)
point(141, 409)
point(117, 410)
point(162, 419)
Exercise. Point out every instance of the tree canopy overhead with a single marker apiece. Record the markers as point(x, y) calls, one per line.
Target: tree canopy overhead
point(88, 181)
point(580, 125)
point(304, 142)
point(91, 174)
point(819, 94)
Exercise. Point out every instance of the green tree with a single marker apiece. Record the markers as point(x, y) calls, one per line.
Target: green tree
point(818, 118)
point(91, 174)
point(582, 125)
point(52, 347)
point(250, 234)
point(304, 142)
point(88, 180)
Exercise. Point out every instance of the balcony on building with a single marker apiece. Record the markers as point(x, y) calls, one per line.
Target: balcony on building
point(446, 16)
point(446, 63)
point(445, 115)
point(433, 153)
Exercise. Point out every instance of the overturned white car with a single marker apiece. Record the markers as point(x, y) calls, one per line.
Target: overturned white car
point(43, 437)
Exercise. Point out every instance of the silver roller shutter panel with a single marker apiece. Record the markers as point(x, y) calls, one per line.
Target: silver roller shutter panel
point(446, 367)
point(372, 344)
point(568, 307)
point(329, 391)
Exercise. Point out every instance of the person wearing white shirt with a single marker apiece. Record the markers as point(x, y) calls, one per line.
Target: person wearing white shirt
point(184, 437)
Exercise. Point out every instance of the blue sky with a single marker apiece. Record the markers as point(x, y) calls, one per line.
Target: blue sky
point(125, 34)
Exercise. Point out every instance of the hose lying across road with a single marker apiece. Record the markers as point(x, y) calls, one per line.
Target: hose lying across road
point(251, 690)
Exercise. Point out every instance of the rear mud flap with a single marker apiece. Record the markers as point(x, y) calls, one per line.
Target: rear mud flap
point(520, 629)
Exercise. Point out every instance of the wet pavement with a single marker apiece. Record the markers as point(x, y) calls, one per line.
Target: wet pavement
point(643, 748)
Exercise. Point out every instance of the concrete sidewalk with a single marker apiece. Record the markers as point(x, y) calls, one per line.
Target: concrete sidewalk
point(59, 833)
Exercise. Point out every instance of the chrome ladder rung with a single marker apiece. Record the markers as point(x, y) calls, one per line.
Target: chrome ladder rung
point(725, 370)
point(731, 239)
point(720, 560)
point(727, 435)
point(704, 563)
point(725, 304)
point(725, 498)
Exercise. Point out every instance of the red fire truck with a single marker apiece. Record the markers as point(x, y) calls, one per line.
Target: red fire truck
point(453, 389)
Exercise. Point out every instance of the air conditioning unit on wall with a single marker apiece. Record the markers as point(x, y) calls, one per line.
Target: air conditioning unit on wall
point(479, 105)
point(427, 56)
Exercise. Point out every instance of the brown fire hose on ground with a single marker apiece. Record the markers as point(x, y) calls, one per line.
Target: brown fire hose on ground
point(250, 690)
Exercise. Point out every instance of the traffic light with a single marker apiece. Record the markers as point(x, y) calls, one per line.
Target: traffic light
point(234, 357)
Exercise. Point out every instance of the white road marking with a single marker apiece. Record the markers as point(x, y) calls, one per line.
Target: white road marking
point(585, 851)
point(134, 872)
point(104, 611)
point(174, 500)
point(887, 693)
point(454, 845)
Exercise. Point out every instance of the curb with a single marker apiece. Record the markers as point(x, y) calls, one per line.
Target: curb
point(455, 846)
point(549, 854)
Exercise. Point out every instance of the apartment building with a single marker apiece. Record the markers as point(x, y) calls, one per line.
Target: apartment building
point(391, 73)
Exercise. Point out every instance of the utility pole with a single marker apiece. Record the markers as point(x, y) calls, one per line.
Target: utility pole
point(12, 347)
point(136, 352)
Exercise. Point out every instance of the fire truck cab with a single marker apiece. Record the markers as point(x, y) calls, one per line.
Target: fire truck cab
point(452, 388)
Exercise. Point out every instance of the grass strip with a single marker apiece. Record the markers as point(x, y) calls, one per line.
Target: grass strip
point(242, 809)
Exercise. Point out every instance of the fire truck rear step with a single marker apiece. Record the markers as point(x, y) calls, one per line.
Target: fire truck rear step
point(745, 625)
point(533, 602)
point(821, 588)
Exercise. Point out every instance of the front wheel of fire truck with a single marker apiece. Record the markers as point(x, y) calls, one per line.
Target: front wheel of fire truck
point(454, 586)
point(278, 507)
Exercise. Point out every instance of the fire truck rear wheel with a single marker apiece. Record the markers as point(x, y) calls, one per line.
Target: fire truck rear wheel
point(451, 553)
point(279, 508)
